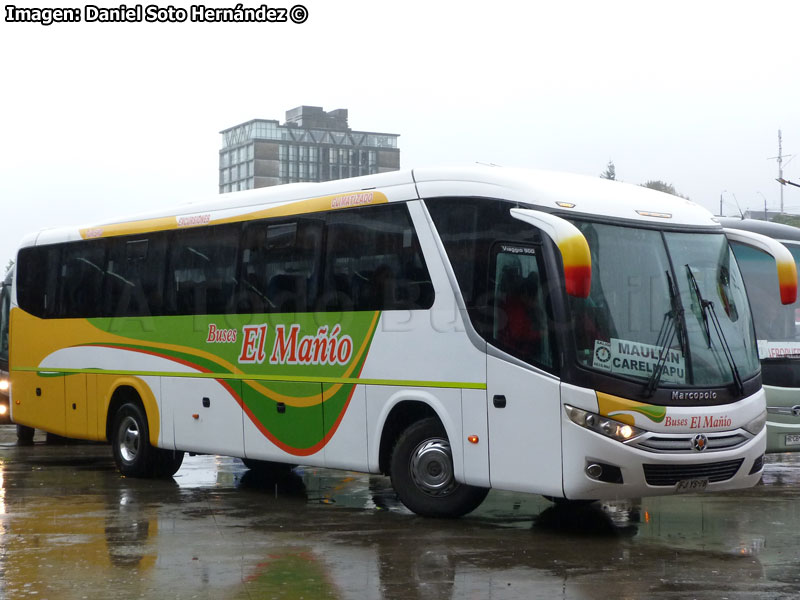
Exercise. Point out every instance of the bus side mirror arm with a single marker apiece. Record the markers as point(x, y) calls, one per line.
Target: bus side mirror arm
point(571, 243)
point(787, 270)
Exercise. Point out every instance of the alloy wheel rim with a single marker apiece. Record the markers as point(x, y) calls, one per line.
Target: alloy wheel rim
point(129, 439)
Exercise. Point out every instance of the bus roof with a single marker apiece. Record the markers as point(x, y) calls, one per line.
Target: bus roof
point(777, 231)
point(546, 190)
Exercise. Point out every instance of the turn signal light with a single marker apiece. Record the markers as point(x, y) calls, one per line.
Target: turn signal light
point(473, 439)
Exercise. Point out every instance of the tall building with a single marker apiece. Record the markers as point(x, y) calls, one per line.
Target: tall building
point(312, 145)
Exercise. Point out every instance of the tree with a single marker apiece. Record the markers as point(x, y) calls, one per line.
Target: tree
point(661, 186)
point(610, 172)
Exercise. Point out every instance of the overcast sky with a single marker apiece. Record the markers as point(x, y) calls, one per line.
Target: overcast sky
point(102, 120)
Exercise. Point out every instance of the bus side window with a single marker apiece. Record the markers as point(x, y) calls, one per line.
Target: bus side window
point(374, 261)
point(5, 304)
point(135, 281)
point(34, 280)
point(81, 279)
point(520, 324)
point(279, 266)
point(201, 276)
point(469, 228)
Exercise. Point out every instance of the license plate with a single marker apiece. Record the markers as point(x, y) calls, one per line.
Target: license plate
point(689, 486)
point(793, 439)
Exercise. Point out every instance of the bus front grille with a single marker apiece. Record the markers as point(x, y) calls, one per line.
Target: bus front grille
point(664, 475)
point(682, 443)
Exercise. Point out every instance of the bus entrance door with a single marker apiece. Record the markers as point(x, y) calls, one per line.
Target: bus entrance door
point(524, 429)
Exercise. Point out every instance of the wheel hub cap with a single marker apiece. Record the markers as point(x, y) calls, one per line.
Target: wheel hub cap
point(432, 467)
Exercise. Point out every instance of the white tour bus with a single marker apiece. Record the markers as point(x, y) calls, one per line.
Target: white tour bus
point(458, 329)
point(777, 330)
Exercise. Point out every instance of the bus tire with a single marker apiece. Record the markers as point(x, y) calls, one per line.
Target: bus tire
point(423, 477)
point(133, 453)
point(25, 435)
point(167, 462)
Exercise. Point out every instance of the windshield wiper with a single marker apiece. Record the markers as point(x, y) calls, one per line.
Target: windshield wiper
point(702, 303)
point(706, 309)
point(672, 324)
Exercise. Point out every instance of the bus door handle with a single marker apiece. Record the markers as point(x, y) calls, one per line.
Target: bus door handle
point(281, 408)
point(499, 401)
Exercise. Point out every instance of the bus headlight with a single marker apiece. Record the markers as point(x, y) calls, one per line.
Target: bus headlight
point(3, 385)
point(756, 425)
point(622, 432)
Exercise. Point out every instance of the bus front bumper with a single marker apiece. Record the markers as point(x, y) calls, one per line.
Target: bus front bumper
point(599, 468)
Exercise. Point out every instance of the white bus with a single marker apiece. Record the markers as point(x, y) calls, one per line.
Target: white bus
point(777, 331)
point(458, 329)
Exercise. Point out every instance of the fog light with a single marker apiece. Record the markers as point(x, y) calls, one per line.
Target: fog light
point(3, 410)
point(594, 471)
point(603, 472)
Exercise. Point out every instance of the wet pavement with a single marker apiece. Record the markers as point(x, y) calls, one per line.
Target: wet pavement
point(72, 528)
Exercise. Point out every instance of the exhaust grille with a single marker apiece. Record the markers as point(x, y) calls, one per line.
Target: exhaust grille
point(667, 475)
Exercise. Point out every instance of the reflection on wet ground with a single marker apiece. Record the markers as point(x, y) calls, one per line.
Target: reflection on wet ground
point(71, 527)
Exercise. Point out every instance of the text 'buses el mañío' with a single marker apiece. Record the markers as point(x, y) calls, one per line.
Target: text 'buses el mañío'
point(456, 329)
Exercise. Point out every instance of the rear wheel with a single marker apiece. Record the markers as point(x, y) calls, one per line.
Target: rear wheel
point(133, 453)
point(423, 476)
point(25, 435)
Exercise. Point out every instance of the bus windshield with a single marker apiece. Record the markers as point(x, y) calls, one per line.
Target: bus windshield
point(665, 308)
point(776, 324)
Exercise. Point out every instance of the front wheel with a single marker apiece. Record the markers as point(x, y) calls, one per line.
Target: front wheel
point(423, 475)
point(133, 453)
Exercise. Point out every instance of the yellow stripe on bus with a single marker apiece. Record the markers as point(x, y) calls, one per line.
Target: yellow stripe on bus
point(50, 371)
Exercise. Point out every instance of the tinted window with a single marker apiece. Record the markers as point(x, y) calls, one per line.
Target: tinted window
point(519, 323)
point(373, 257)
point(280, 266)
point(202, 270)
point(135, 276)
point(36, 279)
point(374, 261)
point(469, 228)
point(81, 277)
point(5, 302)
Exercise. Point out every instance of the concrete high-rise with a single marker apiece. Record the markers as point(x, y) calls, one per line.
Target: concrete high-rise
point(312, 145)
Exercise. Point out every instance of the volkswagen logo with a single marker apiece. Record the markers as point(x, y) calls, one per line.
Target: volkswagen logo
point(699, 442)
